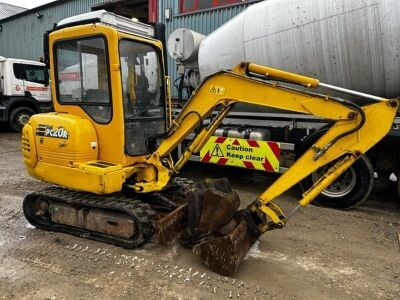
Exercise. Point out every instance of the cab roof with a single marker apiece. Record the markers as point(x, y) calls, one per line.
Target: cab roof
point(107, 18)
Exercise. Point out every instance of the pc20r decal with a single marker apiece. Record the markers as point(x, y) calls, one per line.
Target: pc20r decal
point(51, 131)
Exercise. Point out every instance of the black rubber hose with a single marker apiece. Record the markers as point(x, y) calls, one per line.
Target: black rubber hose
point(351, 131)
point(180, 88)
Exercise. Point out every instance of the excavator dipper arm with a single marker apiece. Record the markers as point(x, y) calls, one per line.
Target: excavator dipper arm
point(355, 131)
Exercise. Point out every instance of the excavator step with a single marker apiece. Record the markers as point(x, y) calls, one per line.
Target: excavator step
point(113, 219)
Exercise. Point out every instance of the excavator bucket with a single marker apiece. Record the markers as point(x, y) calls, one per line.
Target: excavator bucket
point(224, 254)
point(211, 223)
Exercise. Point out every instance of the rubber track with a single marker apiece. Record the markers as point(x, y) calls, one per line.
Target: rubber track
point(141, 212)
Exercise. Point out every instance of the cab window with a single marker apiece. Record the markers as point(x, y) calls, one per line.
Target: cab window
point(83, 76)
point(143, 94)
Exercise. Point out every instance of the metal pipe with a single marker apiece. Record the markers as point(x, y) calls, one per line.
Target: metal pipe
point(169, 98)
point(328, 178)
point(282, 75)
point(349, 92)
point(201, 138)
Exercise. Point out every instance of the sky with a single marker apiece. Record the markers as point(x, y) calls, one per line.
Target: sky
point(27, 3)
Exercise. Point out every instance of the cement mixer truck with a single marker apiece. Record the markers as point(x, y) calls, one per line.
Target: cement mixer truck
point(353, 44)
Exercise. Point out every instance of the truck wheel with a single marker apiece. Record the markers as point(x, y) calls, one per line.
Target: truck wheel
point(349, 190)
point(19, 117)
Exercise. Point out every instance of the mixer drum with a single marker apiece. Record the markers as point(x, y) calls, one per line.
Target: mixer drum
point(352, 44)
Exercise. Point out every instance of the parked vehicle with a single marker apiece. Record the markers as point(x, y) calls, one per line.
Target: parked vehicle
point(24, 91)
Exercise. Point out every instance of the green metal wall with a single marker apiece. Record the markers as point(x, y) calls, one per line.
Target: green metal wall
point(21, 36)
point(203, 22)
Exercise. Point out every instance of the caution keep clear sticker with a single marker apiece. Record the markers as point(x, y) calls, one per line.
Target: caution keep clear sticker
point(251, 154)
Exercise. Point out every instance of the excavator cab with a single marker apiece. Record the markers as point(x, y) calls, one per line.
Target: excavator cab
point(102, 73)
point(109, 93)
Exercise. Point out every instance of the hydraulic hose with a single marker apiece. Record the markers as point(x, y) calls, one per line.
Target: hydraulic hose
point(348, 103)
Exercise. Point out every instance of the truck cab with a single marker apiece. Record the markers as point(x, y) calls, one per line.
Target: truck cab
point(24, 91)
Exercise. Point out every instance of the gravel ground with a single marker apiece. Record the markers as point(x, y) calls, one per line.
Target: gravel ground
point(321, 254)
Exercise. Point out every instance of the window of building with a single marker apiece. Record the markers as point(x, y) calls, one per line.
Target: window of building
point(195, 5)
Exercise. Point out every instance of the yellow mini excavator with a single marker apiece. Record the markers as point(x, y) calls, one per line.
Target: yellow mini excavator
point(108, 148)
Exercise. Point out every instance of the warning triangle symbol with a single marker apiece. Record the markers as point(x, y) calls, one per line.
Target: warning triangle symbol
point(217, 151)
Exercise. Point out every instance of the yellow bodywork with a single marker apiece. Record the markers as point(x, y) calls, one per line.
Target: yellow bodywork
point(71, 160)
point(65, 162)
point(93, 158)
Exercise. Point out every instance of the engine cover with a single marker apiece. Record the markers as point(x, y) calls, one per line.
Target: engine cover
point(63, 149)
point(61, 139)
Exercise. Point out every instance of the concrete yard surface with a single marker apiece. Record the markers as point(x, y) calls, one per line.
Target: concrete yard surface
point(321, 253)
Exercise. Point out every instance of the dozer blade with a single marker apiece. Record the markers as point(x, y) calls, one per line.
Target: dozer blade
point(172, 226)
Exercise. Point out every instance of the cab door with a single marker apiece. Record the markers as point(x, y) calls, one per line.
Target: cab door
point(31, 80)
point(15, 79)
point(143, 95)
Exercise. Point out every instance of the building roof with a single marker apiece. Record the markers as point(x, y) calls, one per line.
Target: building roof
point(24, 11)
point(7, 10)
point(32, 10)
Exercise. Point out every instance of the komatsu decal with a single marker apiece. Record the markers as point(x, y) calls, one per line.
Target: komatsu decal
point(51, 131)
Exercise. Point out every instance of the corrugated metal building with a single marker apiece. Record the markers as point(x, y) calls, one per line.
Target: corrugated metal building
point(21, 34)
point(7, 10)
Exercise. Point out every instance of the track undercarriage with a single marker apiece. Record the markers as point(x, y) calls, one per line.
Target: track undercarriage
point(115, 219)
